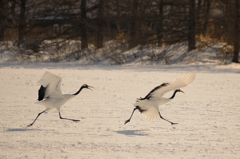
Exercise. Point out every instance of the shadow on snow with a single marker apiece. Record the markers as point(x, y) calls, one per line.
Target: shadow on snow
point(133, 132)
point(19, 129)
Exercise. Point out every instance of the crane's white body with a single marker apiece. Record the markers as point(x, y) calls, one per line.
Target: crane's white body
point(51, 103)
point(151, 105)
point(53, 97)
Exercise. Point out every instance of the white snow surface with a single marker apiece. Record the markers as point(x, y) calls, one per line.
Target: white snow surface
point(208, 113)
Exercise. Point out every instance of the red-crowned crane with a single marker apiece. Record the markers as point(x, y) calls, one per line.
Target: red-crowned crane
point(50, 94)
point(148, 105)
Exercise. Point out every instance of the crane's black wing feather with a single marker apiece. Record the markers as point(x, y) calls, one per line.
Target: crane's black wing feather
point(41, 93)
point(149, 95)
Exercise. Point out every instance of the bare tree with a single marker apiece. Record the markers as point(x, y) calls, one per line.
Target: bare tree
point(22, 22)
point(206, 14)
point(83, 26)
point(227, 25)
point(100, 22)
point(3, 17)
point(191, 26)
point(237, 32)
point(160, 23)
point(133, 23)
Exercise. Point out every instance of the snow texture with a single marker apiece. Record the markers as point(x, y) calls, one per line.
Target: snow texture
point(208, 113)
point(114, 52)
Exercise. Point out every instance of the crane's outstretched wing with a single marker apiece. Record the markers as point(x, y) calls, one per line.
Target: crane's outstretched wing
point(50, 86)
point(160, 90)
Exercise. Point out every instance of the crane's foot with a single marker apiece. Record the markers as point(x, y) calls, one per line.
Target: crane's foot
point(126, 121)
point(29, 125)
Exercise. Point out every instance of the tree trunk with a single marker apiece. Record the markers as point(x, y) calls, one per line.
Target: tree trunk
point(207, 4)
point(199, 17)
point(160, 24)
point(237, 33)
point(83, 27)
point(191, 26)
point(133, 27)
point(2, 19)
point(100, 24)
point(22, 23)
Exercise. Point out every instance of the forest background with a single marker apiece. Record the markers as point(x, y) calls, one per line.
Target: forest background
point(78, 29)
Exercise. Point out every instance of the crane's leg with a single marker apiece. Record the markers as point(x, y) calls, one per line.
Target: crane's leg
point(67, 118)
point(166, 119)
point(36, 118)
point(130, 116)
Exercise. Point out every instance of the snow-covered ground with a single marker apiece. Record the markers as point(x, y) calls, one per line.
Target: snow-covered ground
point(115, 52)
point(208, 113)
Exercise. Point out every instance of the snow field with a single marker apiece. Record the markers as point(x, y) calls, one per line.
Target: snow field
point(207, 114)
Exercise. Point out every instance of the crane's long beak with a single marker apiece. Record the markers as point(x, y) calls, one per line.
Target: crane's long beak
point(91, 88)
point(181, 91)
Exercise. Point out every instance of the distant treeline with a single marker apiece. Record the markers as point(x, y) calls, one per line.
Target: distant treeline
point(134, 22)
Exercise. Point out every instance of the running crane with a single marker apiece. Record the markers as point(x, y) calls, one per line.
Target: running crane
point(148, 105)
point(50, 94)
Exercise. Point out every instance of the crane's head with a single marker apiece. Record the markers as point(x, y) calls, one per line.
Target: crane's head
point(83, 86)
point(87, 86)
point(179, 90)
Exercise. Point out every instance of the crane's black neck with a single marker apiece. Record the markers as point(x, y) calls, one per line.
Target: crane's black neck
point(78, 91)
point(174, 94)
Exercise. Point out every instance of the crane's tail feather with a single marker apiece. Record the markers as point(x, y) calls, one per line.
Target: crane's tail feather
point(151, 113)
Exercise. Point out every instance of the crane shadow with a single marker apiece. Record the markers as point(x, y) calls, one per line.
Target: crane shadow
point(19, 129)
point(132, 132)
